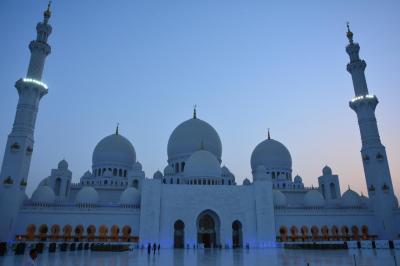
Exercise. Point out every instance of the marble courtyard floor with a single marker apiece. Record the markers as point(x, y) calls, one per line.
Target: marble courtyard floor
point(253, 257)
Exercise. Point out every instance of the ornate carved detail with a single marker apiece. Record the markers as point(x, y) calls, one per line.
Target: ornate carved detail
point(8, 181)
point(15, 147)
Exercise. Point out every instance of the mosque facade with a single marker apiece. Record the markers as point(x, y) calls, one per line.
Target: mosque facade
point(195, 201)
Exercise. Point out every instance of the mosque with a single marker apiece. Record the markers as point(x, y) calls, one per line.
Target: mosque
point(194, 202)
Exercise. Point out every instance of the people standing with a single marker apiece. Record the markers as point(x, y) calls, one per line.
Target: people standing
point(158, 248)
point(148, 248)
point(31, 260)
point(154, 248)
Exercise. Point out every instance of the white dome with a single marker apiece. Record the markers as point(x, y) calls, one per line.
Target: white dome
point(298, 179)
point(158, 175)
point(314, 198)
point(169, 171)
point(225, 172)
point(130, 196)
point(351, 199)
point(188, 136)
point(202, 163)
point(63, 164)
point(87, 195)
point(246, 182)
point(271, 154)
point(43, 194)
point(114, 149)
point(279, 198)
point(326, 171)
point(137, 167)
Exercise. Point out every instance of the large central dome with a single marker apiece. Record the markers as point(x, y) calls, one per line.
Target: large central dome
point(272, 155)
point(189, 136)
point(116, 150)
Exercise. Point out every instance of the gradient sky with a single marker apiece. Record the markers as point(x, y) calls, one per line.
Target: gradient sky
point(248, 65)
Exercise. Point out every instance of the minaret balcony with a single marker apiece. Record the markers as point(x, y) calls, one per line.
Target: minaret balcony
point(363, 100)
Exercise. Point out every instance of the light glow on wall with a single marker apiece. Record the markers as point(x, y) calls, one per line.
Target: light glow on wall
point(34, 81)
point(368, 96)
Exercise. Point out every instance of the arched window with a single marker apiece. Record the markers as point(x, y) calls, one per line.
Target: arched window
point(273, 175)
point(171, 181)
point(177, 167)
point(229, 182)
point(120, 172)
point(105, 182)
point(58, 186)
point(195, 182)
point(332, 188)
point(323, 190)
point(67, 190)
point(125, 172)
point(182, 166)
point(208, 182)
point(223, 181)
point(177, 181)
point(284, 185)
point(115, 172)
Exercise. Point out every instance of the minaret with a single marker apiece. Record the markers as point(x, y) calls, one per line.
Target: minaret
point(19, 148)
point(373, 153)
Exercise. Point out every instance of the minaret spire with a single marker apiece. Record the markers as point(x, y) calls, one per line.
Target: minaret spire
point(19, 148)
point(117, 129)
point(269, 135)
point(373, 153)
point(194, 111)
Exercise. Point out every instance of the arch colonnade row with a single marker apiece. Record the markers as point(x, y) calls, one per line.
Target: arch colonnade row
point(79, 233)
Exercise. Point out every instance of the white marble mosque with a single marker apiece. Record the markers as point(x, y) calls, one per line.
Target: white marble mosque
point(195, 201)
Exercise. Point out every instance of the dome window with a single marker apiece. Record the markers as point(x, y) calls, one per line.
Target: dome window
point(379, 157)
point(8, 181)
point(366, 158)
point(385, 188)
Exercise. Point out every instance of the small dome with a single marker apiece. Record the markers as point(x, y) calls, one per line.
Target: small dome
point(43, 194)
point(365, 202)
point(169, 171)
point(351, 199)
point(158, 175)
point(188, 136)
point(137, 167)
point(225, 171)
point(272, 154)
point(87, 195)
point(298, 179)
point(130, 196)
point(279, 198)
point(63, 164)
point(114, 149)
point(314, 198)
point(327, 171)
point(87, 174)
point(246, 182)
point(202, 163)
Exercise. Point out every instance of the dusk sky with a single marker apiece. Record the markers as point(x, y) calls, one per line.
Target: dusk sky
point(248, 65)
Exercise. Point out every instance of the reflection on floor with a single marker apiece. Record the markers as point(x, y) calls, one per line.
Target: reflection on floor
point(210, 257)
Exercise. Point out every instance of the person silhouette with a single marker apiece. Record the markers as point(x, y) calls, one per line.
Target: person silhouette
point(148, 248)
point(31, 260)
point(154, 248)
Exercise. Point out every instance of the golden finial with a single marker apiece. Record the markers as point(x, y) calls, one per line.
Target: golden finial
point(117, 129)
point(269, 135)
point(349, 34)
point(194, 111)
point(47, 13)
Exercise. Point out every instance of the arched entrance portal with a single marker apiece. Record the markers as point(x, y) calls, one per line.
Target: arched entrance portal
point(208, 229)
point(179, 234)
point(237, 241)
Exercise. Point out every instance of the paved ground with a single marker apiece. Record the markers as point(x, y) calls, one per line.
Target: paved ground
point(214, 257)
